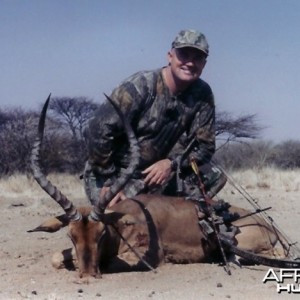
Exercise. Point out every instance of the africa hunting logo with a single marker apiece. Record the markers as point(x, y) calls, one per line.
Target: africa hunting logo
point(287, 280)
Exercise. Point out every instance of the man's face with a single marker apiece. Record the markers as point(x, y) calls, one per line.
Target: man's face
point(186, 63)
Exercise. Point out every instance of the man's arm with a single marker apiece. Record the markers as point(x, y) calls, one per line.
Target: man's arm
point(106, 127)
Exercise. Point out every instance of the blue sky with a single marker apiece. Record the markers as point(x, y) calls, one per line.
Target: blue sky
point(85, 48)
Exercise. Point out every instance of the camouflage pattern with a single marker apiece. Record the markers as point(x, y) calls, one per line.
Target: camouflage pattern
point(191, 38)
point(211, 176)
point(159, 121)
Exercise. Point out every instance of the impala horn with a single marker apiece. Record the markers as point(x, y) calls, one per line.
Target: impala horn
point(101, 204)
point(70, 210)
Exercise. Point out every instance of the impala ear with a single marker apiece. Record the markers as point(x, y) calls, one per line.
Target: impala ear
point(53, 224)
point(128, 220)
point(116, 217)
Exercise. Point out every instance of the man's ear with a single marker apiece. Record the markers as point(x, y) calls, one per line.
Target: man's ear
point(170, 55)
point(53, 224)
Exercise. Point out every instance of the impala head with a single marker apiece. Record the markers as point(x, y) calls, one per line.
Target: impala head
point(86, 236)
point(87, 226)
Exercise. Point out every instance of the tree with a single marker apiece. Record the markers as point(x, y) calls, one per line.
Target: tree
point(235, 129)
point(234, 137)
point(286, 155)
point(73, 112)
point(246, 155)
point(16, 137)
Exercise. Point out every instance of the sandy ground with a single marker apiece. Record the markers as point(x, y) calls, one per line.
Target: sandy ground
point(26, 271)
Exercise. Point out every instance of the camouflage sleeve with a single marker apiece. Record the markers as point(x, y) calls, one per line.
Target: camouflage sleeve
point(106, 126)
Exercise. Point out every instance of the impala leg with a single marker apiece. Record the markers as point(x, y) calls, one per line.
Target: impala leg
point(65, 259)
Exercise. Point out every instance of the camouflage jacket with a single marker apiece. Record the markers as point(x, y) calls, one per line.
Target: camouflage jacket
point(159, 120)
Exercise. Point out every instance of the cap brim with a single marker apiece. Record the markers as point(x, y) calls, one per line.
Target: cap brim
point(191, 46)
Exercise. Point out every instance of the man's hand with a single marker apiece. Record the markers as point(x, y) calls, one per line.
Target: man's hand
point(158, 173)
point(119, 197)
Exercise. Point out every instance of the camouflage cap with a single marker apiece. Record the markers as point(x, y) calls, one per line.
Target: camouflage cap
point(191, 38)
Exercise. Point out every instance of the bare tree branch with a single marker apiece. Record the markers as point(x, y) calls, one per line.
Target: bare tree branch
point(229, 128)
point(73, 112)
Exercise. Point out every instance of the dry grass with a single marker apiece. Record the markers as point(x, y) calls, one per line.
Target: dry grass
point(263, 186)
point(269, 178)
point(264, 179)
point(22, 184)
